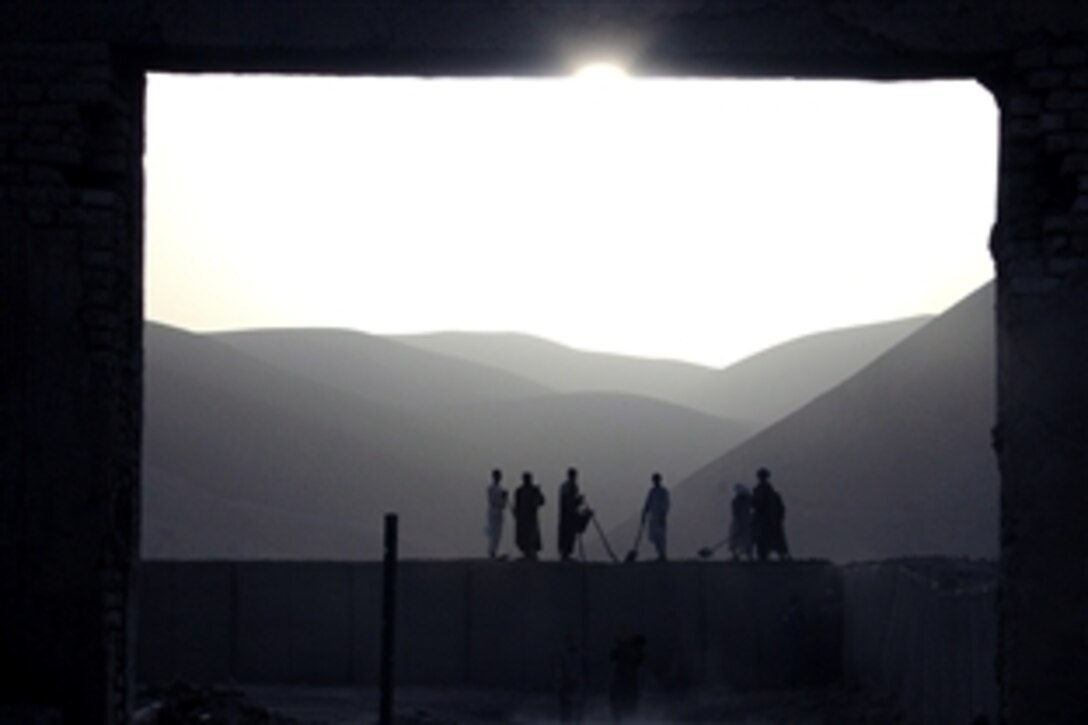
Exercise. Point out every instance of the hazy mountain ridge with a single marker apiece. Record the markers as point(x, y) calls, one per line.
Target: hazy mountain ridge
point(249, 434)
point(895, 461)
point(563, 368)
point(759, 389)
point(380, 367)
point(779, 380)
point(243, 530)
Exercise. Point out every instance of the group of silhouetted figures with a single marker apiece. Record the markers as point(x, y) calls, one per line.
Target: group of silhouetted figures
point(574, 516)
point(759, 517)
point(757, 528)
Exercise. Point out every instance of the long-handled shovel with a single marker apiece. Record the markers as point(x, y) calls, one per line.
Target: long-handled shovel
point(604, 539)
point(708, 551)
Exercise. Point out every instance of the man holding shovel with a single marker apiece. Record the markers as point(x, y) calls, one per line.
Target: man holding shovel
point(654, 515)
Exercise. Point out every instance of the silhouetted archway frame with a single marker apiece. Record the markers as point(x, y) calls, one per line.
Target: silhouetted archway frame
point(71, 140)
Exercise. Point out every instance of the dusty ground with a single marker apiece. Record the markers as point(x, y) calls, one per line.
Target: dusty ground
point(436, 706)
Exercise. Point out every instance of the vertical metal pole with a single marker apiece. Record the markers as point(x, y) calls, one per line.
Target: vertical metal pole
point(389, 620)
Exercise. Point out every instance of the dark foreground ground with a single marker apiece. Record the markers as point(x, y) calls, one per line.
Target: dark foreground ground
point(418, 706)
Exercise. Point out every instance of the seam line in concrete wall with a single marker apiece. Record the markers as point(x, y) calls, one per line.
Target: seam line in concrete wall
point(232, 617)
point(467, 663)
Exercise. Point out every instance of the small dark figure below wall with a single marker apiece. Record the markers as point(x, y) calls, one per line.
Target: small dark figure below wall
point(628, 654)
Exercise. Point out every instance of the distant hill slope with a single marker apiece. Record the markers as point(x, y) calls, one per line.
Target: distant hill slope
point(245, 459)
point(759, 389)
point(263, 456)
point(381, 368)
point(895, 461)
point(775, 382)
point(563, 368)
point(187, 521)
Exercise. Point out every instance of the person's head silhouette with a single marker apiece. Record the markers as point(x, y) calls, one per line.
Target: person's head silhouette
point(656, 478)
point(764, 475)
point(527, 478)
point(496, 475)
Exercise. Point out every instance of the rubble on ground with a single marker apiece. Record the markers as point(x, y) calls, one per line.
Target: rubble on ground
point(186, 704)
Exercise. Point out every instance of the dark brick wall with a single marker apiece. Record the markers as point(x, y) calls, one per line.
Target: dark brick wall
point(70, 205)
point(1040, 246)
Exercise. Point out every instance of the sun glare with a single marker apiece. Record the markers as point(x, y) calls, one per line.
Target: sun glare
point(601, 72)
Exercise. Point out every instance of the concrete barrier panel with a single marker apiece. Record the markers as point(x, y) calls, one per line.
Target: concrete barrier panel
point(732, 642)
point(773, 624)
point(521, 614)
point(264, 591)
point(663, 602)
point(185, 622)
point(868, 595)
point(913, 634)
point(432, 623)
point(503, 624)
point(984, 689)
point(366, 613)
point(320, 623)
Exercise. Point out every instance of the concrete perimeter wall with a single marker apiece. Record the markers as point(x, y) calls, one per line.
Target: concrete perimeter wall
point(489, 624)
point(924, 633)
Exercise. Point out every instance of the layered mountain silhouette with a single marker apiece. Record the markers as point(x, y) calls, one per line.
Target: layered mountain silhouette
point(243, 460)
point(771, 384)
point(294, 443)
point(380, 368)
point(566, 369)
point(896, 461)
point(291, 443)
point(759, 389)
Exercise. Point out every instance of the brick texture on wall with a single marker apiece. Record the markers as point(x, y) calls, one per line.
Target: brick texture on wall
point(70, 206)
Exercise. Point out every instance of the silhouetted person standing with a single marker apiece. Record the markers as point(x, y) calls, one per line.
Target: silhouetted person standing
point(768, 518)
point(627, 656)
point(655, 515)
point(527, 502)
point(740, 528)
point(573, 515)
point(496, 511)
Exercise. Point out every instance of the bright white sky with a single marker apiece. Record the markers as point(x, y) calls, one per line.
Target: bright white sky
point(697, 220)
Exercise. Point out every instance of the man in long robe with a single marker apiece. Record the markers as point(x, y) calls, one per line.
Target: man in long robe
point(527, 502)
point(573, 515)
point(768, 518)
point(654, 515)
point(496, 511)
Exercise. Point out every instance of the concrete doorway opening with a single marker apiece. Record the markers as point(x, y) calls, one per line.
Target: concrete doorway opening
point(784, 181)
point(736, 216)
